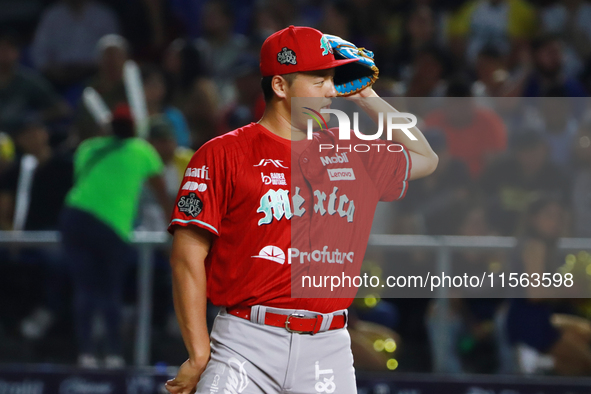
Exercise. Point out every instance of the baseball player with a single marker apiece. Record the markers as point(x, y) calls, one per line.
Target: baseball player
point(235, 218)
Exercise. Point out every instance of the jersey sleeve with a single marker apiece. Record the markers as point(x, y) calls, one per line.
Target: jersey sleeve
point(389, 168)
point(205, 189)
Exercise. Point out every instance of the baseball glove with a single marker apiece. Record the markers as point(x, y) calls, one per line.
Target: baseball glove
point(352, 77)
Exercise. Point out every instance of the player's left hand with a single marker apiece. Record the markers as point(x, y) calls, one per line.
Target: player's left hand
point(186, 378)
point(352, 78)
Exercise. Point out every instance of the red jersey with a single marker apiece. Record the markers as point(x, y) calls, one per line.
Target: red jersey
point(279, 209)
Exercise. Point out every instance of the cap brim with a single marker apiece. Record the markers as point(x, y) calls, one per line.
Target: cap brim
point(334, 63)
point(323, 66)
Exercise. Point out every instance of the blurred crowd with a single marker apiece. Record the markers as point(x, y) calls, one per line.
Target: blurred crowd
point(500, 88)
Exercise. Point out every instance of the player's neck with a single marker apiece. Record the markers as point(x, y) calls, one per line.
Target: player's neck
point(277, 121)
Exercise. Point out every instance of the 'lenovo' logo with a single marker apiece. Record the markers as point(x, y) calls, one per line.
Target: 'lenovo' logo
point(341, 174)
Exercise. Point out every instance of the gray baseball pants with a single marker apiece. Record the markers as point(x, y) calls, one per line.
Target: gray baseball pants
point(252, 358)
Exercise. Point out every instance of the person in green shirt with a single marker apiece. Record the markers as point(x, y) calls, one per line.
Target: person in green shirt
point(96, 227)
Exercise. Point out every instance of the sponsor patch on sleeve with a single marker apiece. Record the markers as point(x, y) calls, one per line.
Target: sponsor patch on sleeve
point(190, 205)
point(190, 185)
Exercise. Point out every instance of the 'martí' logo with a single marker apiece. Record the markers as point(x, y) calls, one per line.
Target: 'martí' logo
point(317, 117)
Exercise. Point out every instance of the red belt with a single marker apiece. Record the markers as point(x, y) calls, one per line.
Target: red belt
point(295, 322)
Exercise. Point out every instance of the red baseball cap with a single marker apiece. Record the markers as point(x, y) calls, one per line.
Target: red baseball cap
point(297, 49)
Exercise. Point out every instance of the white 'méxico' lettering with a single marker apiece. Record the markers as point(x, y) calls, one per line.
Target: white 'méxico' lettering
point(276, 204)
point(332, 208)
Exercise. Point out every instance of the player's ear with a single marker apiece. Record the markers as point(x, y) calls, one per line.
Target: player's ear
point(280, 86)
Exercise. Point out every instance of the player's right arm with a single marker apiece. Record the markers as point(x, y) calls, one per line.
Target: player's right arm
point(196, 222)
point(189, 250)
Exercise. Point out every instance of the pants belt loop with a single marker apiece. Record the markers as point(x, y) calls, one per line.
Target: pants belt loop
point(346, 313)
point(257, 314)
point(326, 322)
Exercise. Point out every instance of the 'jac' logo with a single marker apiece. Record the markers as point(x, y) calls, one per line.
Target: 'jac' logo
point(336, 159)
point(345, 124)
point(265, 162)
